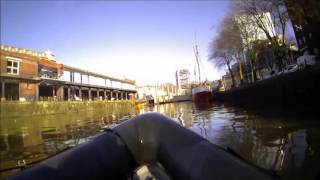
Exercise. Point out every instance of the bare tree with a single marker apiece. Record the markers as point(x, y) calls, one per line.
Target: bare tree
point(227, 47)
point(249, 35)
point(270, 16)
point(221, 57)
point(233, 41)
point(303, 11)
point(266, 57)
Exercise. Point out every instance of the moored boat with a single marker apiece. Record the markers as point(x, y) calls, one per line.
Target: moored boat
point(150, 100)
point(181, 98)
point(201, 94)
point(150, 145)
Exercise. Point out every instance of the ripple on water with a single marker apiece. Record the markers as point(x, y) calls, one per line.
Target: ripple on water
point(289, 146)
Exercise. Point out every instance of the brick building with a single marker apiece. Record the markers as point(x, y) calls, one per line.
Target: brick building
point(30, 75)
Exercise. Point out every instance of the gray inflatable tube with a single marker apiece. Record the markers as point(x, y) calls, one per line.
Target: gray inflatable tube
point(149, 139)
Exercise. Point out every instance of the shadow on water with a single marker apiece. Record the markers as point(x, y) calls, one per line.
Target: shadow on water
point(290, 145)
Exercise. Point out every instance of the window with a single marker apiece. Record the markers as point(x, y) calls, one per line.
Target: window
point(13, 66)
point(85, 78)
point(108, 82)
point(77, 77)
point(101, 81)
point(66, 76)
point(47, 72)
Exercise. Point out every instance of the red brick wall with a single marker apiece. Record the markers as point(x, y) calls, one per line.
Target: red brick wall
point(3, 64)
point(28, 69)
point(28, 66)
point(27, 90)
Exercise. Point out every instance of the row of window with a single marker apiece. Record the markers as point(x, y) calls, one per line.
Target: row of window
point(94, 80)
point(47, 72)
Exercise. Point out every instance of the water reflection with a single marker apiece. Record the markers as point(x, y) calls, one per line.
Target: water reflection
point(33, 138)
point(287, 145)
point(290, 146)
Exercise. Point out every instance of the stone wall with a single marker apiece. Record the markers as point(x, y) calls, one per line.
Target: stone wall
point(297, 90)
point(15, 109)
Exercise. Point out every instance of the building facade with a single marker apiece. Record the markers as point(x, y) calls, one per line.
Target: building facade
point(160, 92)
point(183, 78)
point(29, 75)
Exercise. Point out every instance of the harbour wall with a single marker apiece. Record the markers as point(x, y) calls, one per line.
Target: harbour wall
point(15, 109)
point(298, 90)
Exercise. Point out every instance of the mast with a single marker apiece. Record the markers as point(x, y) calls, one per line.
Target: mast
point(196, 52)
point(195, 72)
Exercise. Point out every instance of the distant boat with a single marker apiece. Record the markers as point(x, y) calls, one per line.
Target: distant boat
point(181, 98)
point(201, 93)
point(150, 100)
point(140, 102)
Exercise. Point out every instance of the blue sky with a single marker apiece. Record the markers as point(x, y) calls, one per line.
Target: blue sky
point(142, 40)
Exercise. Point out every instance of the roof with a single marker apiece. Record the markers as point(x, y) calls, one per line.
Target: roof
point(67, 67)
point(23, 51)
point(47, 61)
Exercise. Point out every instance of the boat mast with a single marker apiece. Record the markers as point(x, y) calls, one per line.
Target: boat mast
point(196, 52)
point(195, 72)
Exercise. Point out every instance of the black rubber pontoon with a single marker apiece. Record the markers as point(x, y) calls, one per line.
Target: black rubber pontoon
point(150, 139)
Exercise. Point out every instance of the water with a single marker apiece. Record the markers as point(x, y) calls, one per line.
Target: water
point(290, 146)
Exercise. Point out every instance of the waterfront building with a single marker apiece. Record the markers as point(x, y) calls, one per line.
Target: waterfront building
point(183, 82)
point(183, 78)
point(29, 75)
point(160, 92)
point(226, 81)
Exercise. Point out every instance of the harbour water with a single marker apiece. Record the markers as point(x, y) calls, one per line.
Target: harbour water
point(288, 145)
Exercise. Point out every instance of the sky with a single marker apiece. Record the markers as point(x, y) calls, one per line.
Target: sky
point(146, 41)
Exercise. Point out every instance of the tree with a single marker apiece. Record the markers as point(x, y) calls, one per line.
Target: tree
point(305, 18)
point(221, 56)
point(303, 11)
point(227, 47)
point(249, 36)
point(266, 57)
point(270, 16)
point(233, 41)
